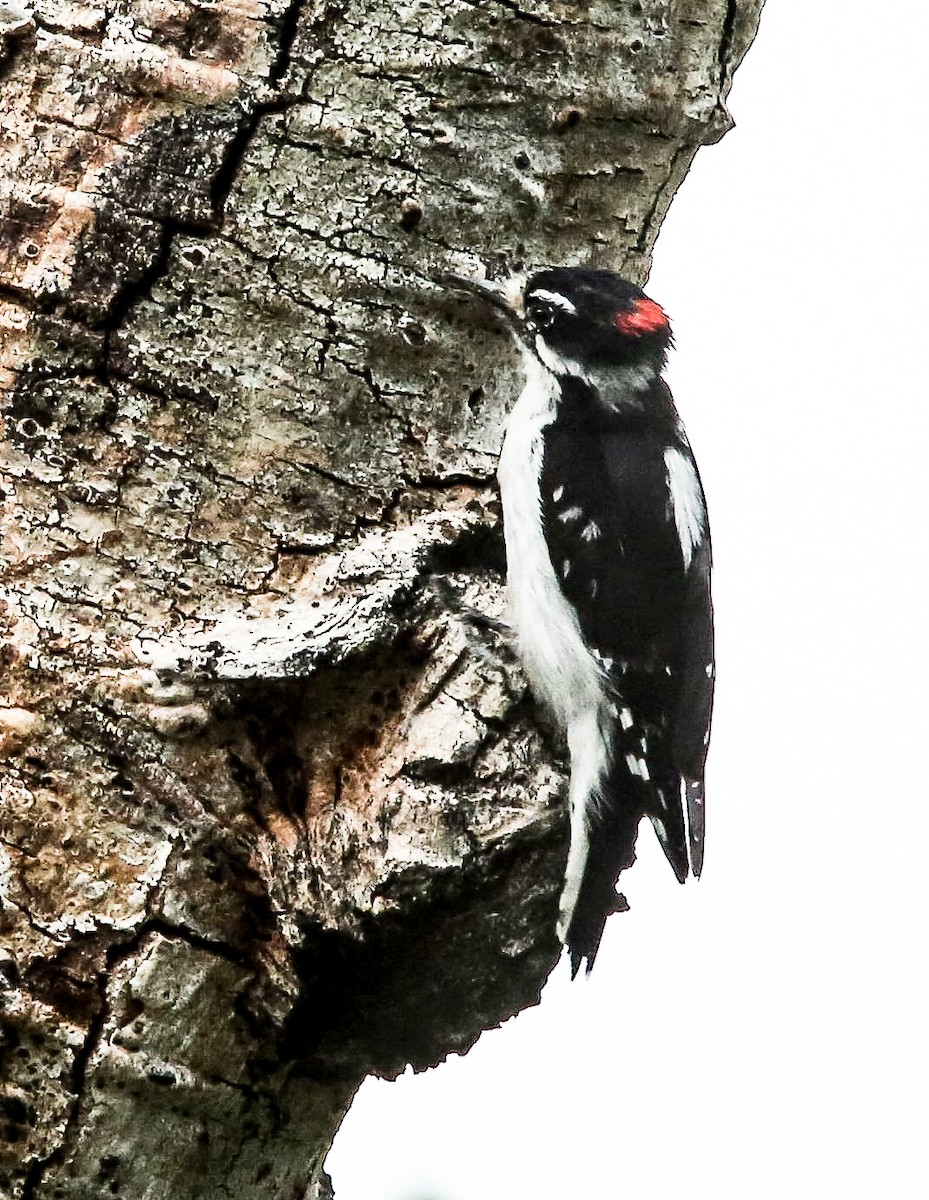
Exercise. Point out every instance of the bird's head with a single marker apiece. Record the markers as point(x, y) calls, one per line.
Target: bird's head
point(582, 321)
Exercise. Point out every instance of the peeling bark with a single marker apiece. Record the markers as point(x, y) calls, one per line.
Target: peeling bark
point(270, 821)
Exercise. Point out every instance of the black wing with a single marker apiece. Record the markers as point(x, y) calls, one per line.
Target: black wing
point(609, 521)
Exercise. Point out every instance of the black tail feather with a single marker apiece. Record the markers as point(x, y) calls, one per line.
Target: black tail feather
point(693, 789)
point(625, 797)
point(587, 930)
point(667, 815)
point(613, 830)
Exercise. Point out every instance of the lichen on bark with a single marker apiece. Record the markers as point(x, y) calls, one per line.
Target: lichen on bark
point(270, 820)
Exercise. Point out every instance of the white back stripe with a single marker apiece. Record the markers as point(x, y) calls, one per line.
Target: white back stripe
point(686, 501)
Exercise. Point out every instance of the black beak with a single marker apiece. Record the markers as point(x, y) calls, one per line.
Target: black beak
point(493, 294)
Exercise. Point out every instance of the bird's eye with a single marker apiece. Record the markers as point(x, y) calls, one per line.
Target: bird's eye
point(536, 316)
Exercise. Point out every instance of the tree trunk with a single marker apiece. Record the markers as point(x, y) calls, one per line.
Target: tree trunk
point(270, 821)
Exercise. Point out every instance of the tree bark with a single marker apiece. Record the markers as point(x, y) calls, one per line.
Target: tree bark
point(270, 820)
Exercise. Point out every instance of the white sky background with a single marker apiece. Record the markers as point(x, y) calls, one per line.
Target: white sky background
point(761, 1034)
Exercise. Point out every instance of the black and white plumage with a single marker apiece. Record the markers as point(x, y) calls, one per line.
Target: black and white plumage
point(608, 576)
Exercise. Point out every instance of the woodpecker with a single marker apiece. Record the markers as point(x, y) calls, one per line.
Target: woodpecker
point(608, 578)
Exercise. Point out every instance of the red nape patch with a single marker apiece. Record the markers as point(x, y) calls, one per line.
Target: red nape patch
point(645, 317)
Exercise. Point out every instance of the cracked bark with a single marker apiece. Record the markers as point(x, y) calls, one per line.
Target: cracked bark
point(268, 822)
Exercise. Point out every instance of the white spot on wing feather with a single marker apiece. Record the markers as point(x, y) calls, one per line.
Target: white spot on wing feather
point(637, 766)
point(590, 532)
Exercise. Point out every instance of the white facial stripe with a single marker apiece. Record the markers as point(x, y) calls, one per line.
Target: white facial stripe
point(617, 386)
point(556, 299)
point(686, 500)
point(556, 363)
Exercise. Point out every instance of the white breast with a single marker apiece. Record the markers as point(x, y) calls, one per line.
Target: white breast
point(562, 670)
